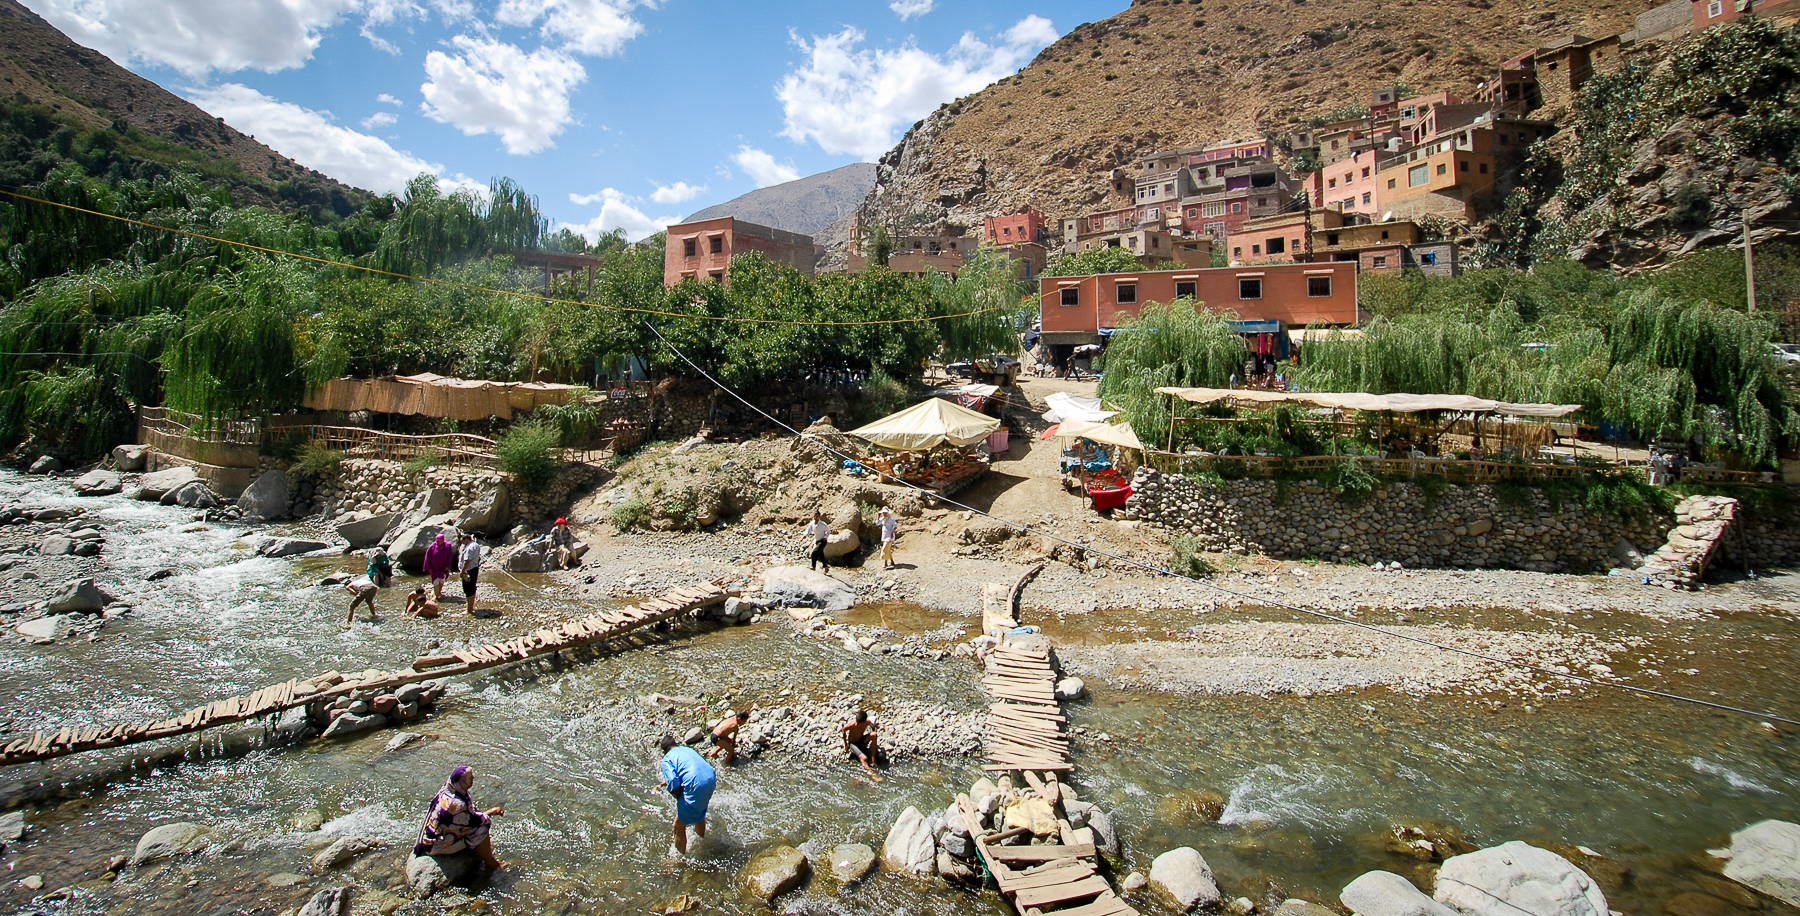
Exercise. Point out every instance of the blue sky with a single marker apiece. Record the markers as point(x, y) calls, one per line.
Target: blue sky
point(616, 113)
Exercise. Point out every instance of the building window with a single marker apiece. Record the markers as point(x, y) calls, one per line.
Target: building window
point(1237, 207)
point(1193, 213)
point(687, 248)
point(1237, 251)
point(1384, 233)
point(1331, 182)
point(1127, 293)
point(1276, 246)
point(1428, 259)
point(1185, 289)
point(1379, 260)
point(1418, 175)
point(1484, 168)
point(1071, 295)
point(1390, 183)
point(1715, 9)
point(1168, 189)
point(1349, 177)
point(717, 276)
point(1462, 166)
point(1249, 287)
point(1317, 287)
point(1443, 168)
point(1365, 173)
point(1368, 198)
point(716, 244)
point(1262, 201)
point(1331, 238)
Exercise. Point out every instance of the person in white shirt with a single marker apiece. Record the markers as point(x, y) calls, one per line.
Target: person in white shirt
point(890, 529)
point(468, 561)
point(820, 532)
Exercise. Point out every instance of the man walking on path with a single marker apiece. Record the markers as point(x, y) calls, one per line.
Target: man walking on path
point(890, 529)
point(820, 532)
point(690, 779)
point(469, 562)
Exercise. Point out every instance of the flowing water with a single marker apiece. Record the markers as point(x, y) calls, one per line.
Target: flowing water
point(1311, 784)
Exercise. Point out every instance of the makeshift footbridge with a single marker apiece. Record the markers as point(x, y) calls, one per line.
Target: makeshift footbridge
point(275, 698)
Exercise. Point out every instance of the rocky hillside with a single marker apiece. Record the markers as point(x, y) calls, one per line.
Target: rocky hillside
point(1167, 73)
point(58, 92)
point(822, 206)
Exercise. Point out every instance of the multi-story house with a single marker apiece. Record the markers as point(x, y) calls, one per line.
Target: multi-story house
point(1082, 310)
point(703, 250)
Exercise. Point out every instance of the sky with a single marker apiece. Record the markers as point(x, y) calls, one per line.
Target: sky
point(617, 114)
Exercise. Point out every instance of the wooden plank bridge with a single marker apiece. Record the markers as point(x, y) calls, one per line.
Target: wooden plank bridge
point(1027, 737)
point(275, 698)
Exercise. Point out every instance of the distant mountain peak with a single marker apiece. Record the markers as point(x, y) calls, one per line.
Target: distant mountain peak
point(806, 205)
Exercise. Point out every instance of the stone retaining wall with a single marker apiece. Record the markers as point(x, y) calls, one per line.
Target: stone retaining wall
point(366, 487)
point(1462, 527)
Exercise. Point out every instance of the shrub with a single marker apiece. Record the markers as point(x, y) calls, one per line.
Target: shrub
point(1352, 482)
point(424, 461)
point(632, 513)
point(317, 458)
point(528, 452)
point(1185, 558)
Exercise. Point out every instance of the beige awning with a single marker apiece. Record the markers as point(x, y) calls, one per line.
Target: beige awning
point(436, 396)
point(1399, 403)
point(926, 424)
point(1121, 435)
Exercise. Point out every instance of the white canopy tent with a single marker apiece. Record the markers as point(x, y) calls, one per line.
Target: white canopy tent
point(1121, 435)
point(1065, 406)
point(927, 424)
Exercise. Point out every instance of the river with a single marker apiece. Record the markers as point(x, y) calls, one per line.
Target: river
point(1311, 783)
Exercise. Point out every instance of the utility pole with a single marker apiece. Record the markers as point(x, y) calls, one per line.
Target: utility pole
point(1749, 265)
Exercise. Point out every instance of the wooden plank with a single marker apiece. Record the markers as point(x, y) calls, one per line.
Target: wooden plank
point(1051, 878)
point(1039, 853)
point(1038, 896)
point(1107, 904)
point(1028, 712)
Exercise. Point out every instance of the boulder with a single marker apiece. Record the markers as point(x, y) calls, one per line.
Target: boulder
point(435, 501)
point(98, 483)
point(52, 514)
point(46, 465)
point(1766, 856)
point(170, 840)
point(12, 827)
point(842, 544)
point(288, 547)
point(1181, 877)
point(1383, 893)
point(408, 547)
point(267, 496)
point(343, 852)
point(487, 515)
point(1070, 688)
point(332, 901)
point(350, 724)
point(80, 597)
point(427, 875)
point(157, 484)
point(129, 457)
point(533, 556)
point(909, 848)
point(46, 629)
point(55, 546)
point(798, 586)
point(774, 872)
point(194, 494)
point(367, 532)
point(955, 869)
point(1502, 880)
point(1106, 840)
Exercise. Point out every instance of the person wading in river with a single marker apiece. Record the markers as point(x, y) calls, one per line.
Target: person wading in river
point(690, 779)
point(418, 604)
point(440, 558)
point(362, 589)
point(859, 741)
point(452, 825)
point(818, 532)
point(381, 568)
point(469, 563)
point(724, 735)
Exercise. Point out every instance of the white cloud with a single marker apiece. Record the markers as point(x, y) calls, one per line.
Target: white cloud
point(313, 139)
point(380, 119)
point(386, 99)
point(196, 38)
point(676, 193)
point(762, 167)
point(491, 87)
point(616, 212)
point(597, 27)
point(853, 101)
point(907, 9)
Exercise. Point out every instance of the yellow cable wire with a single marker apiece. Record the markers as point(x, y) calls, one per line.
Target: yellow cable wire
point(469, 287)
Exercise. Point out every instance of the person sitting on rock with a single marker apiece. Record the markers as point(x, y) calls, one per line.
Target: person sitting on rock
point(687, 776)
point(562, 541)
point(440, 558)
point(860, 741)
point(453, 825)
point(363, 589)
point(723, 739)
point(418, 604)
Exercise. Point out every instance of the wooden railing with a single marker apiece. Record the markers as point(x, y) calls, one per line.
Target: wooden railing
point(1413, 468)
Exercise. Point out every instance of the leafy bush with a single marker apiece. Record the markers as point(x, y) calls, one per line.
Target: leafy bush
point(632, 513)
point(317, 458)
point(424, 461)
point(528, 452)
point(1185, 558)
point(1352, 482)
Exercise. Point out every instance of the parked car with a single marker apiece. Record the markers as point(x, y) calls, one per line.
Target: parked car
point(1787, 352)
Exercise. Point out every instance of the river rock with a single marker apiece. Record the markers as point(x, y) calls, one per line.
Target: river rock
point(1182, 877)
point(367, 532)
point(129, 458)
point(46, 629)
point(1766, 856)
point(267, 497)
point(842, 544)
point(1383, 893)
point(156, 484)
point(170, 840)
point(1070, 688)
point(98, 483)
point(1502, 880)
point(1294, 906)
point(851, 861)
point(344, 851)
point(56, 546)
point(350, 724)
point(774, 872)
point(332, 901)
point(952, 868)
point(12, 826)
point(288, 547)
point(408, 547)
point(194, 494)
point(427, 875)
point(1133, 882)
point(487, 515)
point(798, 586)
point(533, 556)
point(1106, 840)
point(46, 465)
point(81, 597)
point(909, 848)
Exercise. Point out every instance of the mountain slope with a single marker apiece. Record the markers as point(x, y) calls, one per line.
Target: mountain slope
point(821, 205)
point(1166, 74)
point(53, 85)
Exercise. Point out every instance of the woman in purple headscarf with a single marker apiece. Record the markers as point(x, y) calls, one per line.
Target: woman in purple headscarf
point(439, 557)
point(453, 825)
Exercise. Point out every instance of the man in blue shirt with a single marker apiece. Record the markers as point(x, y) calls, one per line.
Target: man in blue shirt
point(690, 779)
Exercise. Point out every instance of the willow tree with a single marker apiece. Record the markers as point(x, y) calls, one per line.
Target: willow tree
point(237, 352)
point(1176, 345)
point(984, 307)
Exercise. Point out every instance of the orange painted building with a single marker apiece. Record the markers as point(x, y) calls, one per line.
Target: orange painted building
point(1025, 226)
point(1075, 309)
point(1713, 12)
point(703, 250)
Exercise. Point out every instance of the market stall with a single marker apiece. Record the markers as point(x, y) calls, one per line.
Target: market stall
point(930, 445)
point(1099, 446)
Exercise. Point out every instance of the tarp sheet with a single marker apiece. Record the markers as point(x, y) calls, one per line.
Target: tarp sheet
point(1065, 406)
point(1399, 403)
point(927, 424)
point(436, 396)
point(1121, 435)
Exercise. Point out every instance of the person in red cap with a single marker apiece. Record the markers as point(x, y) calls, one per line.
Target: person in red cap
point(562, 540)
